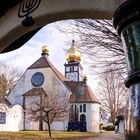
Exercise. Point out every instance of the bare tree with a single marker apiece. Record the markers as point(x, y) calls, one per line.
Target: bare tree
point(3, 86)
point(102, 48)
point(8, 78)
point(52, 108)
point(98, 41)
point(112, 94)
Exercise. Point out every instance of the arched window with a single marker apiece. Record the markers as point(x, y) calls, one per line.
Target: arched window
point(76, 113)
point(84, 107)
point(82, 118)
point(71, 108)
point(80, 108)
point(71, 68)
point(71, 113)
point(2, 117)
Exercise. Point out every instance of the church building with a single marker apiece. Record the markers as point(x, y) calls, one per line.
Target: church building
point(42, 79)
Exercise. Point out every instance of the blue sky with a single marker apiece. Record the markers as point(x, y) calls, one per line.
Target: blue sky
point(23, 57)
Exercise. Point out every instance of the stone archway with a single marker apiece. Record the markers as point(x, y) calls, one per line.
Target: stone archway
point(22, 21)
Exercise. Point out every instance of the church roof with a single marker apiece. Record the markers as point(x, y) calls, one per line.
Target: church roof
point(43, 62)
point(81, 93)
point(35, 91)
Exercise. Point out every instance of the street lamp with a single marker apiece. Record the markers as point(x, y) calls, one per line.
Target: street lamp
point(126, 21)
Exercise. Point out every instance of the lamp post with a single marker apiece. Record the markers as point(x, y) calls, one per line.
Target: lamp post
point(126, 20)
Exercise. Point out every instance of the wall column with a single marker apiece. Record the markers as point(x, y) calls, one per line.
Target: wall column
point(126, 20)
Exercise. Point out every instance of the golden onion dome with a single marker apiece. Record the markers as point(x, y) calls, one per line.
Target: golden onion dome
point(73, 54)
point(45, 49)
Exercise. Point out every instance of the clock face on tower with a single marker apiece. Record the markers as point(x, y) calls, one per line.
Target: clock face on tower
point(37, 79)
point(72, 76)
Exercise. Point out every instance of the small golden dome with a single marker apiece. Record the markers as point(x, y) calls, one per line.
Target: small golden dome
point(73, 54)
point(85, 77)
point(45, 49)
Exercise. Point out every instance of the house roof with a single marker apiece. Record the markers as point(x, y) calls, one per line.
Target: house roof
point(43, 62)
point(34, 92)
point(81, 92)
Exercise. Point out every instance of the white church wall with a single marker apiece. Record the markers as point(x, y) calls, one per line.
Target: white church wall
point(14, 118)
point(23, 85)
point(31, 100)
point(88, 116)
point(15, 95)
point(34, 125)
point(31, 125)
point(51, 82)
point(30, 103)
point(94, 117)
point(52, 85)
point(59, 125)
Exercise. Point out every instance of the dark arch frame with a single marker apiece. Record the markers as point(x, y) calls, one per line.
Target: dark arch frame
point(16, 34)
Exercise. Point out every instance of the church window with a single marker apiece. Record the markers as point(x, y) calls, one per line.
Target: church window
point(76, 68)
point(84, 107)
point(71, 108)
point(37, 79)
point(2, 117)
point(72, 114)
point(80, 108)
point(71, 68)
point(76, 113)
point(68, 69)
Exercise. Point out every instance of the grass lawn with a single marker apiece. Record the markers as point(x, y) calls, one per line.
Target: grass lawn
point(42, 135)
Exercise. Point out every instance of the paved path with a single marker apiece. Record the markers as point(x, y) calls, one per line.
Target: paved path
point(103, 136)
point(108, 136)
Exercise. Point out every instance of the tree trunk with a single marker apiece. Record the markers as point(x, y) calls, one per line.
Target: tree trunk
point(49, 126)
point(41, 124)
point(49, 129)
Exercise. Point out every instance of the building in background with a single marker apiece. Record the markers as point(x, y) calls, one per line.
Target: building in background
point(42, 79)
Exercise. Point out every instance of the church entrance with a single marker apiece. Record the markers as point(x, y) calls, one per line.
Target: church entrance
point(78, 125)
point(83, 118)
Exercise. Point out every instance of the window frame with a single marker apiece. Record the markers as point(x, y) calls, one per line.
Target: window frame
point(81, 109)
point(2, 117)
point(84, 107)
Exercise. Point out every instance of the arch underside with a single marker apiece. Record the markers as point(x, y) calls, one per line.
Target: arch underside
point(16, 29)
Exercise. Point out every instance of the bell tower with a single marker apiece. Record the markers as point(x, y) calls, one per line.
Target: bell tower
point(73, 68)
